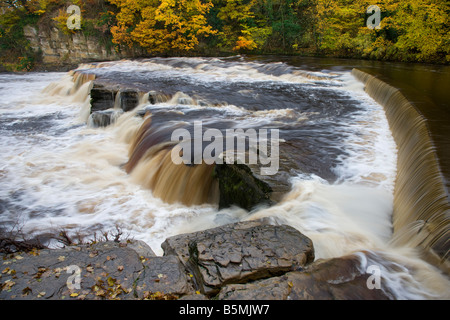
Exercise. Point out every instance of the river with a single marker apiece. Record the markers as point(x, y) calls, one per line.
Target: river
point(337, 156)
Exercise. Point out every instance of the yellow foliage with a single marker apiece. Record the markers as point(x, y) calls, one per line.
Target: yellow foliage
point(61, 20)
point(244, 44)
point(162, 25)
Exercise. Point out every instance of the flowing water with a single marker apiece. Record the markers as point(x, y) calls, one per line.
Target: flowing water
point(336, 178)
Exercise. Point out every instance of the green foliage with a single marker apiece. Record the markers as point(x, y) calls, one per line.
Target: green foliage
point(411, 30)
point(15, 51)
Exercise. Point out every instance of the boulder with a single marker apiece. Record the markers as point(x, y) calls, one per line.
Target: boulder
point(102, 97)
point(238, 186)
point(239, 252)
point(129, 99)
point(164, 278)
point(104, 270)
point(334, 279)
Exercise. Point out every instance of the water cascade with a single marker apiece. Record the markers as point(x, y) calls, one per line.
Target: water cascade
point(421, 215)
point(358, 179)
point(151, 165)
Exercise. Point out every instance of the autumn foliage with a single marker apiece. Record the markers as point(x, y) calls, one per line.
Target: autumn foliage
point(411, 30)
point(161, 25)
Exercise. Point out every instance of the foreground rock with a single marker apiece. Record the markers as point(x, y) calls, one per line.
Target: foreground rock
point(105, 270)
point(250, 260)
point(334, 279)
point(240, 252)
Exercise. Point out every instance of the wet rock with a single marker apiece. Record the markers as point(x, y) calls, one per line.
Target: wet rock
point(238, 186)
point(84, 271)
point(155, 97)
point(163, 276)
point(103, 118)
point(194, 297)
point(334, 279)
point(104, 270)
point(102, 97)
point(239, 252)
point(141, 248)
point(129, 99)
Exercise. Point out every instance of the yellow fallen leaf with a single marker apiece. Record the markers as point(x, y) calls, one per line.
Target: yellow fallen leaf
point(74, 294)
point(61, 258)
point(111, 281)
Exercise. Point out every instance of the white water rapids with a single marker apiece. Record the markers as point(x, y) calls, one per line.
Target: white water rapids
point(58, 173)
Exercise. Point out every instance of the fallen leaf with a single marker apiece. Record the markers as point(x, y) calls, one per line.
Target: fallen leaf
point(7, 285)
point(111, 281)
point(26, 291)
point(74, 294)
point(120, 268)
point(61, 258)
point(100, 293)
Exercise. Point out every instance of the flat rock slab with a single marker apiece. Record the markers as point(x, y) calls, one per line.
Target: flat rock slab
point(163, 277)
point(240, 252)
point(104, 270)
point(334, 279)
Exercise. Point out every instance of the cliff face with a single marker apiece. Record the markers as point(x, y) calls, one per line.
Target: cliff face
point(60, 49)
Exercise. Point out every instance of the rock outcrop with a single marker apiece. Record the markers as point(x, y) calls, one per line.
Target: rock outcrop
point(104, 270)
point(239, 186)
point(60, 49)
point(239, 253)
point(334, 279)
point(251, 260)
point(103, 118)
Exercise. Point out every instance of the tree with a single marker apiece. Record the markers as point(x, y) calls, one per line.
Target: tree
point(162, 25)
point(241, 31)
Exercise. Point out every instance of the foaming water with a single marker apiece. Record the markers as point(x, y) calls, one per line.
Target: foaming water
point(338, 160)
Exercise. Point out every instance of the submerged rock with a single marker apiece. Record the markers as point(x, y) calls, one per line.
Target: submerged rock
point(240, 252)
point(103, 118)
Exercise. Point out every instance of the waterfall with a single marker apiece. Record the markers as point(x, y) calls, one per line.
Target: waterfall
point(150, 164)
point(421, 207)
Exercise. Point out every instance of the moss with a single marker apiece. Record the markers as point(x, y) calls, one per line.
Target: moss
point(238, 186)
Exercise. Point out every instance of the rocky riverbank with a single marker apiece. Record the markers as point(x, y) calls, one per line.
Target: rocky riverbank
point(244, 260)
